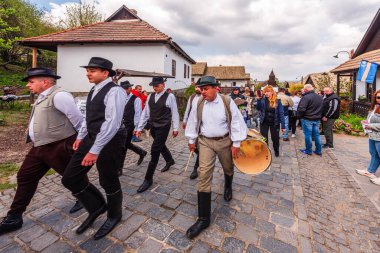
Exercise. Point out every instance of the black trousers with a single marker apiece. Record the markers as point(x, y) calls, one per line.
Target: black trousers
point(37, 162)
point(160, 135)
point(292, 121)
point(274, 133)
point(129, 145)
point(75, 177)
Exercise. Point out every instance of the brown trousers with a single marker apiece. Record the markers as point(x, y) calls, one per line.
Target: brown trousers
point(208, 150)
point(37, 162)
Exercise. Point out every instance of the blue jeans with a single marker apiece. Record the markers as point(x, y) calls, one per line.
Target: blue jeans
point(311, 129)
point(374, 150)
point(286, 133)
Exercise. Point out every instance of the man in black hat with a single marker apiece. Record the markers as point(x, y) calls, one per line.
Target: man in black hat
point(161, 110)
point(131, 117)
point(53, 127)
point(219, 127)
point(100, 141)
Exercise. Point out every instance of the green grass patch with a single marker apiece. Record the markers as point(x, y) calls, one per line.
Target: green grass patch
point(350, 124)
point(13, 76)
point(7, 170)
point(18, 114)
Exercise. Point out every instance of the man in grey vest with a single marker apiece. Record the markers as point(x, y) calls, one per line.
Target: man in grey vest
point(219, 126)
point(161, 111)
point(53, 126)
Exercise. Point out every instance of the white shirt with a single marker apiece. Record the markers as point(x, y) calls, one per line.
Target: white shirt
point(63, 102)
point(138, 108)
point(115, 101)
point(214, 122)
point(187, 111)
point(296, 101)
point(170, 103)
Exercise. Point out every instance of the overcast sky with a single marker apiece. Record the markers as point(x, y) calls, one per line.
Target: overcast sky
point(294, 37)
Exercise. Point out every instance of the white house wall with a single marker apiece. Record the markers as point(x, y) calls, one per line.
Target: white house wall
point(179, 82)
point(146, 57)
point(361, 86)
point(228, 83)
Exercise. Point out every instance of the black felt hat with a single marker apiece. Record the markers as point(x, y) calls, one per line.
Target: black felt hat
point(126, 84)
point(40, 72)
point(157, 80)
point(99, 62)
point(207, 80)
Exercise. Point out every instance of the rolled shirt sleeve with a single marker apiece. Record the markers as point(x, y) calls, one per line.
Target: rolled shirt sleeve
point(172, 104)
point(191, 131)
point(137, 106)
point(65, 103)
point(145, 115)
point(187, 111)
point(238, 129)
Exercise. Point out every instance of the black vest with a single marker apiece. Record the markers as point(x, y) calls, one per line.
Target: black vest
point(129, 112)
point(160, 115)
point(95, 110)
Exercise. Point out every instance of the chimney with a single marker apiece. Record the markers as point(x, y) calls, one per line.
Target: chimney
point(134, 11)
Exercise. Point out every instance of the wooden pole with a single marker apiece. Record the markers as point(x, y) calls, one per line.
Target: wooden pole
point(34, 65)
point(338, 85)
point(34, 59)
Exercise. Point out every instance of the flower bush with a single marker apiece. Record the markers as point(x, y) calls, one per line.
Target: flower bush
point(349, 124)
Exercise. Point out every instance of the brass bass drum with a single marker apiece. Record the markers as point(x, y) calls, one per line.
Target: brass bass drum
point(255, 156)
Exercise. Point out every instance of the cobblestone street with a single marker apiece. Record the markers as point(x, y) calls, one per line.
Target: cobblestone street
point(302, 204)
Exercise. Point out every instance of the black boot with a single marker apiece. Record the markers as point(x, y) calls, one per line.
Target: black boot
point(168, 165)
point(204, 214)
point(10, 223)
point(142, 156)
point(76, 207)
point(228, 187)
point(114, 213)
point(148, 181)
point(194, 174)
point(93, 201)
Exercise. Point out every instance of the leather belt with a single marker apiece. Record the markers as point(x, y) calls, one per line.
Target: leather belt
point(216, 138)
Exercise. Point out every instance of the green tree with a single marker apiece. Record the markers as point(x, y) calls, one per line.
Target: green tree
point(19, 19)
point(80, 14)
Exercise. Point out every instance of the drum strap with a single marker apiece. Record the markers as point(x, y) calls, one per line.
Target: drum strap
point(226, 101)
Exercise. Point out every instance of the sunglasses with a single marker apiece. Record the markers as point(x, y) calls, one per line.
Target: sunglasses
point(377, 97)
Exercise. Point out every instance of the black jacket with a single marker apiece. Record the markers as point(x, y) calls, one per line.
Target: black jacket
point(331, 106)
point(310, 106)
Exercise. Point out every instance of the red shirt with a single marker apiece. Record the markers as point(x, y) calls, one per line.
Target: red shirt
point(141, 96)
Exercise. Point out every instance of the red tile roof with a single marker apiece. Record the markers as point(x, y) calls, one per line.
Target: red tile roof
point(120, 31)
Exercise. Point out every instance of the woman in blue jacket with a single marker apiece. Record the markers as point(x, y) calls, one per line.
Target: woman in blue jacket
point(271, 116)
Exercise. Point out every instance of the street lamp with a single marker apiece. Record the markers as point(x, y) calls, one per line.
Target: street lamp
point(336, 56)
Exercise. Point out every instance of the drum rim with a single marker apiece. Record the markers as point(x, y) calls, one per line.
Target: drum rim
point(255, 174)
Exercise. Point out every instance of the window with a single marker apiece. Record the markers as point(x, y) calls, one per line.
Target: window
point(184, 70)
point(174, 68)
point(233, 84)
point(188, 71)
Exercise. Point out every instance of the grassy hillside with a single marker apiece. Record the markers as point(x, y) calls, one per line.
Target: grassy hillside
point(12, 78)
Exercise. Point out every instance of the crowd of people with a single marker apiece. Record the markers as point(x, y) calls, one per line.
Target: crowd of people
point(215, 125)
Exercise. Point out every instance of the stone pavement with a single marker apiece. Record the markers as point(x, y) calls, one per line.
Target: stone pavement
point(352, 152)
point(302, 204)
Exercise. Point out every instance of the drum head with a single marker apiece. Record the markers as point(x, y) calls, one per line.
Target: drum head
point(254, 158)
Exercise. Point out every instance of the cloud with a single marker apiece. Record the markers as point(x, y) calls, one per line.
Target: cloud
point(293, 37)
